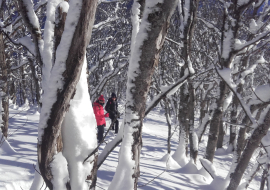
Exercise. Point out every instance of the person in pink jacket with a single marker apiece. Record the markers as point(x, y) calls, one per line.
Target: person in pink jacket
point(100, 117)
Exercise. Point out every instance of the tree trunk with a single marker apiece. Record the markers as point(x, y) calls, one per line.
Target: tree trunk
point(234, 121)
point(23, 92)
point(217, 116)
point(203, 109)
point(36, 82)
point(193, 138)
point(139, 81)
point(252, 174)
point(93, 176)
point(13, 93)
point(74, 63)
point(241, 140)
point(58, 31)
point(4, 88)
point(36, 32)
point(220, 134)
point(169, 126)
point(183, 113)
point(252, 144)
point(264, 177)
point(232, 137)
point(59, 28)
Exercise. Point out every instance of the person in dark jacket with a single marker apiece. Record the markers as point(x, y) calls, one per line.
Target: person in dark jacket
point(112, 108)
point(100, 117)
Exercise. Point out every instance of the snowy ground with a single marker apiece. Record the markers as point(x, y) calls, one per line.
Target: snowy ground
point(17, 160)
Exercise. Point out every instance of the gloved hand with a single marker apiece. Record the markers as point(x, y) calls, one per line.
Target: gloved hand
point(106, 115)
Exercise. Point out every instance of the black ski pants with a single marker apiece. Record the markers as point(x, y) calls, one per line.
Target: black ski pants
point(100, 133)
point(115, 125)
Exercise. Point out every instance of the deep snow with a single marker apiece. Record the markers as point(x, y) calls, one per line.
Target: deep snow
point(17, 160)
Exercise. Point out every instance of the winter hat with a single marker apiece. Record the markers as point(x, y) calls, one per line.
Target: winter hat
point(113, 95)
point(101, 98)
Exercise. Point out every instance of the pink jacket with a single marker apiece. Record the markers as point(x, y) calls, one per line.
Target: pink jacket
point(99, 113)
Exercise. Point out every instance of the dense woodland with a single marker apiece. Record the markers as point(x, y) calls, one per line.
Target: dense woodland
point(206, 62)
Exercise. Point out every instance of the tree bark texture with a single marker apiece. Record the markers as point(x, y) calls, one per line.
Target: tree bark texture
point(59, 28)
point(220, 134)
point(183, 113)
point(4, 88)
point(193, 150)
point(58, 31)
point(241, 139)
point(36, 81)
point(252, 144)
point(169, 126)
point(159, 21)
point(22, 90)
point(74, 63)
point(232, 136)
point(93, 176)
point(204, 108)
point(214, 125)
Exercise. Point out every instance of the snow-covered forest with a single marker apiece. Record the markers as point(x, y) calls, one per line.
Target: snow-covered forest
point(191, 78)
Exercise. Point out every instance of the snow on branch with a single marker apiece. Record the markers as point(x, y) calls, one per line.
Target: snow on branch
point(240, 46)
point(210, 25)
point(165, 91)
point(24, 41)
point(225, 76)
point(31, 21)
point(28, 44)
point(105, 79)
point(108, 1)
point(170, 40)
point(104, 23)
point(31, 15)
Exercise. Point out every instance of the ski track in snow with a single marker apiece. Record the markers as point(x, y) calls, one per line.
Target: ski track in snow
point(17, 168)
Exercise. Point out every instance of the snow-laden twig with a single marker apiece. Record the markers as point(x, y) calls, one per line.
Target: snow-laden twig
point(233, 89)
point(253, 41)
point(103, 23)
point(210, 25)
point(105, 79)
point(20, 43)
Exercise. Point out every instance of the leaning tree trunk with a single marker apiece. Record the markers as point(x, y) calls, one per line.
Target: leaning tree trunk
point(252, 144)
point(264, 176)
point(141, 69)
point(4, 88)
point(70, 77)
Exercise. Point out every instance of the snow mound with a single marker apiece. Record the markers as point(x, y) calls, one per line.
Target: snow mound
point(218, 183)
point(170, 162)
point(189, 168)
point(5, 147)
point(180, 155)
point(208, 166)
point(221, 151)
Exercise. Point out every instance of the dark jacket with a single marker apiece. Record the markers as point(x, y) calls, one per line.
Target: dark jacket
point(112, 108)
